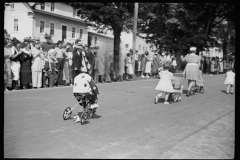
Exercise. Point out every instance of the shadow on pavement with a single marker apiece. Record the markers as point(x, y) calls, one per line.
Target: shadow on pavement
point(161, 100)
point(223, 91)
point(184, 91)
point(95, 116)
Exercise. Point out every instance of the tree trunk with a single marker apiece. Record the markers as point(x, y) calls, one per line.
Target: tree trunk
point(178, 57)
point(116, 59)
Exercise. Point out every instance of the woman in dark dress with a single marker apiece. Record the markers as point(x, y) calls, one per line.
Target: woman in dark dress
point(25, 70)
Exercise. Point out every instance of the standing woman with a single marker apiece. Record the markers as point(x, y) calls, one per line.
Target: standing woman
point(208, 62)
point(143, 64)
point(15, 65)
point(224, 64)
point(221, 65)
point(202, 64)
point(25, 69)
point(148, 64)
point(156, 65)
point(216, 65)
point(191, 71)
point(212, 65)
point(7, 63)
point(36, 65)
point(130, 67)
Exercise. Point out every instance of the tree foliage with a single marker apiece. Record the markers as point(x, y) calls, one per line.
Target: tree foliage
point(177, 26)
point(116, 16)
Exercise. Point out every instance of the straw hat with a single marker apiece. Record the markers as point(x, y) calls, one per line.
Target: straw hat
point(79, 45)
point(193, 49)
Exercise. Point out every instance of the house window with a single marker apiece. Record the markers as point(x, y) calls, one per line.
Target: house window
point(143, 49)
point(12, 5)
point(41, 26)
point(52, 6)
point(74, 12)
point(81, 34)
point(42, 6)
point(139, 47)
point(95, 42)
point(73, 32)
point(15, 24)
point(126, 45)
point(51, 28)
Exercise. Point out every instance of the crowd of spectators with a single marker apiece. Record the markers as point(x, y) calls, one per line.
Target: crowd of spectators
point(29, 65)
point(147, 65)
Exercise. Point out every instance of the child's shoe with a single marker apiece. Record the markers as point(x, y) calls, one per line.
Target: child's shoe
point(179, 99)
point(95, 105)
point(231, 92)
point(155, 100)
point(78, 119)
point(147, 76)
point(142, 76)
point(166, 102)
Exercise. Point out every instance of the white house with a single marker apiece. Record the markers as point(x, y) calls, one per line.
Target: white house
point(56, 19)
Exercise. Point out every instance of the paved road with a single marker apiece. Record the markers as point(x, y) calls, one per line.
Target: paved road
point(127, 125)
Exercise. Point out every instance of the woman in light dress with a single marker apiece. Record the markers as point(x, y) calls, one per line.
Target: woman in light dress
point(148, 64)
point(36, 65)
point(221, 65)
point(129, 66)
point(191, 71)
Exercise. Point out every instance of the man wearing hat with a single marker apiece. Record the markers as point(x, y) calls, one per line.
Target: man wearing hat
point(59, 56)
point(91, 59)
point(77, 60)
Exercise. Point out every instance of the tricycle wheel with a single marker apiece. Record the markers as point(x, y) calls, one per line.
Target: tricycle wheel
point(84, 117)
point(67, 113)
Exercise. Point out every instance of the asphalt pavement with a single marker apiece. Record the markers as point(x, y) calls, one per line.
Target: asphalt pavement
point(127, 123)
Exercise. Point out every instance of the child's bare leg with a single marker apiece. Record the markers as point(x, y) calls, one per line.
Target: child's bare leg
point(157, 97)
point(166, 98)
point(231, 88)
point(228, 87)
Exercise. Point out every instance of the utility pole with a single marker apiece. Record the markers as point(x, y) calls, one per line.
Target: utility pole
point(229, 37)
point(134, 35)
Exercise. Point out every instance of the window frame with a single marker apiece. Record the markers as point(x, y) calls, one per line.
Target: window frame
point(54, 26)
point(54, 6)
point(12, 6)
point(74, 32)
point(127, 45)
point(42, 5)
point(44, 29)
point(14, 24)
point(80, 33)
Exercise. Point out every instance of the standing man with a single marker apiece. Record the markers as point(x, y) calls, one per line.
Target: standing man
point(91, 58)
point(76, 60)
point(59, 56)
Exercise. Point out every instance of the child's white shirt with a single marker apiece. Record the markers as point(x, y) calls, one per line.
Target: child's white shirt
point(81, 83)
